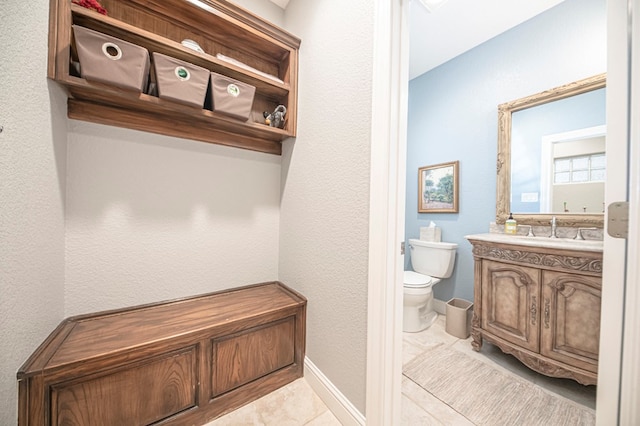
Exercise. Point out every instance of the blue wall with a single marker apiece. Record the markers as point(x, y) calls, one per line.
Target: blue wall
point(453, 115)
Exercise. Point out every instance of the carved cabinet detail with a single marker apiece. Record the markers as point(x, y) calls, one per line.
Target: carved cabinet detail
point(571, 320)
point(539, 304)
point(511, 303)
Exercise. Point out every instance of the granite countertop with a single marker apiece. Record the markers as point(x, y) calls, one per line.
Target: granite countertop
point(542, 242)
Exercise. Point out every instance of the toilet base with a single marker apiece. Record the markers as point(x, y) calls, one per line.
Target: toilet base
point(418, 318)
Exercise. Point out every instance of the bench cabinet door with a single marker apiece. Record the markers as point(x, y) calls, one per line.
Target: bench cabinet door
point(254, 353)
point(138, 394)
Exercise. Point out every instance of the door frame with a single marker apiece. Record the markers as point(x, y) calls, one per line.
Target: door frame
point(629, 411)
point(390, 88)
point(617, 368)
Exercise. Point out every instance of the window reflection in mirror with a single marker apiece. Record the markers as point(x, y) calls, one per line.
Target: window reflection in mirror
point(557, 155)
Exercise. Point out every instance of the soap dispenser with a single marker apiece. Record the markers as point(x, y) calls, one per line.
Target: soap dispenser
point(510, 225)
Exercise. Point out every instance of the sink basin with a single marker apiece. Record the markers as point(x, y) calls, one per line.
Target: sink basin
point(557, 243)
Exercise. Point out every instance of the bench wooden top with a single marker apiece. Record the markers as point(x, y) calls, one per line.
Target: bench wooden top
point(91, 336)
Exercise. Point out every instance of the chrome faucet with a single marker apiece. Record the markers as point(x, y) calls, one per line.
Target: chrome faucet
point(579, 235)
point(553, 228)
point(530, 233)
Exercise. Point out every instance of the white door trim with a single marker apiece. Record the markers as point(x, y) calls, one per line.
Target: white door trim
point(630, 377)
point(614, 397)
point(386, 211)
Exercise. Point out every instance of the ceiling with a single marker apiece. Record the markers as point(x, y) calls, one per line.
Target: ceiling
point(460, 25)
point(282, 3)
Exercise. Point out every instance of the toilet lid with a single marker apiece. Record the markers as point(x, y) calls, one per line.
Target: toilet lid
point(413, 279)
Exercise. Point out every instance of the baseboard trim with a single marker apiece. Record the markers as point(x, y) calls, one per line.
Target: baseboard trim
point(339, 405)
point(440, 306)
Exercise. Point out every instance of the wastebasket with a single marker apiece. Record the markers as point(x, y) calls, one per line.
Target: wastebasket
point(458, 318)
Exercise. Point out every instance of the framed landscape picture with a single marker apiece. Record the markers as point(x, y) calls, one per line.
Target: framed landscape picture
point(438, 188)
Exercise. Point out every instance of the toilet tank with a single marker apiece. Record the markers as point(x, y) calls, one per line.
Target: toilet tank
point(435, 259)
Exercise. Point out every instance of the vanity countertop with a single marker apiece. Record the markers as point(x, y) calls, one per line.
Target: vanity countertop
point(541, 242)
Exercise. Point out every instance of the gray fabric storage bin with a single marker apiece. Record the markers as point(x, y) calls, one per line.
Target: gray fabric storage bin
point(180, 81)
point(107, 59)
point(231, 97)
point(458, 318)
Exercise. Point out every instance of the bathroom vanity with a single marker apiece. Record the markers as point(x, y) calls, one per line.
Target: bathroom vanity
point(538, 299)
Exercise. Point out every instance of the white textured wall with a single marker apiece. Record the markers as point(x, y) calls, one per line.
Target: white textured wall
point(325, 195)
point(32, 168)
point(153, 218)
point(263, 8)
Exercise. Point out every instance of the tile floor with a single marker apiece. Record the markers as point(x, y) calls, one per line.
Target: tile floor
point(296, 404)
point(419, 407)
point(293, 405)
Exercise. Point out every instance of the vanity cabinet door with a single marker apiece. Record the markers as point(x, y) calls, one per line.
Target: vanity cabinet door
point(510, 303)
point(571, 319)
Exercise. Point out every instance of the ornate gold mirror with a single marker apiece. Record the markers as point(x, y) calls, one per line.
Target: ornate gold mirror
point(551, 155)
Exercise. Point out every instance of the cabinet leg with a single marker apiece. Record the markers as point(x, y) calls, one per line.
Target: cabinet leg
point(476, 334)
point(476, 343)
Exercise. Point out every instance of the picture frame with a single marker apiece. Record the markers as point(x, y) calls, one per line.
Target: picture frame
point(438, 188)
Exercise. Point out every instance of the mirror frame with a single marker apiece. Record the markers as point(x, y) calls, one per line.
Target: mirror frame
point(503, 181)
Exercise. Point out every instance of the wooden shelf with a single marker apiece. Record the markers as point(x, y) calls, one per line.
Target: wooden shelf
point(159, 26)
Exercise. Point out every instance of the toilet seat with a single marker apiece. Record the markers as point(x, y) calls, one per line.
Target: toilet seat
point(415, 280)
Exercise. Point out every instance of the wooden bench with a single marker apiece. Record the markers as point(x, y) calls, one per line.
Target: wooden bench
point(180, 362)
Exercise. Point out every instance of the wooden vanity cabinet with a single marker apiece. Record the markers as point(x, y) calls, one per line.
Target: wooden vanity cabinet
point(262, 55)
point(542, 305)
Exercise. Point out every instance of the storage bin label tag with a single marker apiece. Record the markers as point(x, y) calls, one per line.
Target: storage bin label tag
point(233, 90)
point(112, 51)
point(182, 73)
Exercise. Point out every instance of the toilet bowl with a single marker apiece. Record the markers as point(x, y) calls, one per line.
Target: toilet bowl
point(431, 261)
point(417, 312)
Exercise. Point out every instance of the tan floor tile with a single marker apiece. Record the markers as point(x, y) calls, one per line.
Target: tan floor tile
point(295, 404)
point(436, 408)
point(413, 414)
point(325, 419)
point(410, 351)
point(432, 336)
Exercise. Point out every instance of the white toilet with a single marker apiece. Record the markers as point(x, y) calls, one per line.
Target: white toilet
point(430, 261)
